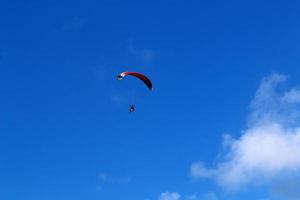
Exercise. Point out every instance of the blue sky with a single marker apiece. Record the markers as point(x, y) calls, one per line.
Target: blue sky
point(65, 130)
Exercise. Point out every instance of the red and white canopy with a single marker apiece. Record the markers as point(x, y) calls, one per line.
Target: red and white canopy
point(140, 76)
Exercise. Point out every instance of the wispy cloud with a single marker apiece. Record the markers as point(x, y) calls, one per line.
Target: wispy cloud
point(169, 196)
point(269, 148)
point(176, 196)
point(293, 96)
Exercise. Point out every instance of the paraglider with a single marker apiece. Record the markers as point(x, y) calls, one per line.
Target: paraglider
point(140, 76)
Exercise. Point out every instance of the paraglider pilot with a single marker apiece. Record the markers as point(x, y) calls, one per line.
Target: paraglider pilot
point(131, 108)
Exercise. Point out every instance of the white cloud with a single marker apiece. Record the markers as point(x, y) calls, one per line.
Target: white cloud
point(293, 96)
point(270, 145)
point(199, 170)
point(176, 196)
point(169, 196)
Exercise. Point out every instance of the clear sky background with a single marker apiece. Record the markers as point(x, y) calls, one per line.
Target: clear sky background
point(65, 129)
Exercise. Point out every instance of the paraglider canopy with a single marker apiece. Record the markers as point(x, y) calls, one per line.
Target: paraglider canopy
point(140, 76)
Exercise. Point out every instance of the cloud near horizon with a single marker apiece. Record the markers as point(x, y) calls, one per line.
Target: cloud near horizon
point(268, 148)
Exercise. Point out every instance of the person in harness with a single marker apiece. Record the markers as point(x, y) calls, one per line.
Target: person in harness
point(131, 108)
